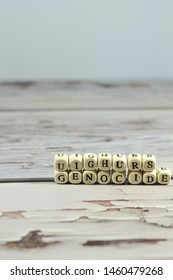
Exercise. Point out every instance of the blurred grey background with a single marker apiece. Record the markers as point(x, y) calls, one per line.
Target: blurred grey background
point(93, 39)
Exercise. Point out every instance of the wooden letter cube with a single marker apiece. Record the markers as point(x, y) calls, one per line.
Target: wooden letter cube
point(134, 162)
point(148, 162)
point(61, 162)
point(135, 177)
point(75, 162)
point(89, 177)
point(119, 177)
point(163, 176)
point(104, 161)
point(90, 161)
point(119, 162)
point(149, 178)
point(75, 177)
point(103, 177)
point(61, 177)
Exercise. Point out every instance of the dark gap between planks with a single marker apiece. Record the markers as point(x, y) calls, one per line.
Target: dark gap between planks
point(32, 180)
point(87, 109)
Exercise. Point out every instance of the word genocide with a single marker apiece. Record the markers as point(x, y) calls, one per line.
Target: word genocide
point(106, 169)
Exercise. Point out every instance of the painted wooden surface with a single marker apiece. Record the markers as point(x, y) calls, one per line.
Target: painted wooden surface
point(29, 140)
point(42, 220)
point(86, 95)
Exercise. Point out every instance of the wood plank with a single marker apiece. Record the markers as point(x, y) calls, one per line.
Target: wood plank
point(83, 95)
point(85, 222)
point(51, 221)
point(29, 140)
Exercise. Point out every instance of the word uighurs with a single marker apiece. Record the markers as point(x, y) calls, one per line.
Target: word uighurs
point(105, 168)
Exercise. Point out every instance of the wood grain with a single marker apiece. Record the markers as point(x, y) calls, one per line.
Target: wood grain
point(81, 222)
point(74, 95)
point(42, 220)
point(29, 140)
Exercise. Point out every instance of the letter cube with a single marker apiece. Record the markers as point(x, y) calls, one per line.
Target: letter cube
point(104, 161)
point(75, 162)
point(75, 177)
point(118, 177)
point(90, 161)
point(135, 177)
point(149, 177)
point(61, 177)
point(148, 162)
point(89, 177)
point(61, 162)
point(163, 176)
point(119, 162)
point(103, 177)
point(134, 162)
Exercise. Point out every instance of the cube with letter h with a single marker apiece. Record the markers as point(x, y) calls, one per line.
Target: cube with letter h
point(104, 161)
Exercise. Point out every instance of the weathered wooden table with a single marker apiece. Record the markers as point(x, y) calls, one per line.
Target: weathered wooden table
point(42, 220)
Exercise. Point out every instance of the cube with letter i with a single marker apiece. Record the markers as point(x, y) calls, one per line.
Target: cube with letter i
point(75, 162)
point(135, 177)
